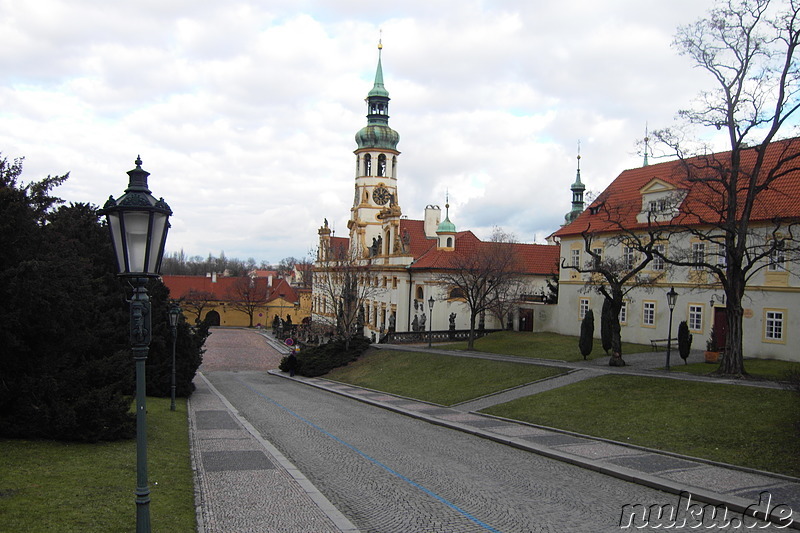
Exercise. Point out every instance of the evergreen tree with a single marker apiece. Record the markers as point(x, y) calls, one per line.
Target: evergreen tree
point(587, 333)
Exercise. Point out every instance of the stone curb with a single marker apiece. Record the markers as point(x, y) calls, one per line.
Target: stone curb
point(733, 503)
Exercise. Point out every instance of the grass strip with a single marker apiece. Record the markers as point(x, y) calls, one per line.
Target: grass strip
point(440, 379)
point(84, 488)
point(746, 426)
point(759, 368)
point(542, 346)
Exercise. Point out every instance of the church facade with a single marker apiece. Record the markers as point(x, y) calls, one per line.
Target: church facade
point(401, 261)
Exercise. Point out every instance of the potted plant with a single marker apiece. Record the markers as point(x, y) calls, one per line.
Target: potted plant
point(712, 349)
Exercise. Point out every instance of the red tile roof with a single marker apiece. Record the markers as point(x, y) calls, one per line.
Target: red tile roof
point(623, 198)
point(541, 259)
point(283, 290)
point(535, 258)
point(224, 287)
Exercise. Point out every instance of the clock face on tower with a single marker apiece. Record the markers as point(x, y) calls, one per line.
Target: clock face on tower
point(380, 195)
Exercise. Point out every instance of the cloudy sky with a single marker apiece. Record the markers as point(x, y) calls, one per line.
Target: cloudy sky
point(245, 111)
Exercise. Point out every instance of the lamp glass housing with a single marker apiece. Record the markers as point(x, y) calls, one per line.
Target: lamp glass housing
point(672, 298)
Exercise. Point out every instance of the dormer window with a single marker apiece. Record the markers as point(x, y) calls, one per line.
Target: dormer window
point(657, 206)
point(660, 202)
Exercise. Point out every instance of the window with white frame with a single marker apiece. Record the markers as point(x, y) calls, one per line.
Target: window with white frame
point(698, 254)
point(696, 318)
point(648, 313)
point(576, 258)
point(722, 255)
point(773, 325)
point(777, 260)
point(598, 256)
point(658, 262)
point(627, 257)
point(583, 307)
point(623, 313)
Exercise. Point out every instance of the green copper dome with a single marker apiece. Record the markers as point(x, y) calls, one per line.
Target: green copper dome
point(445, 226)
point(377, 136)
point(377, 133)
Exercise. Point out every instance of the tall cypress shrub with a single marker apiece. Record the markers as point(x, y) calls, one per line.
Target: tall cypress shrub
point(587, 334)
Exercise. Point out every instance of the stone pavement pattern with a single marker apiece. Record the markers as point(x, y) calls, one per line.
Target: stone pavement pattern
point(242, 483)
point(356, 454)
point(733, 487)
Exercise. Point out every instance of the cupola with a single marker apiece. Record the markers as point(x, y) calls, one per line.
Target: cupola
point(377, 133)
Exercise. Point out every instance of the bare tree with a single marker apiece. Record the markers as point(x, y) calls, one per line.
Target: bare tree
point(344, 285)
point(196, 301)
point(305, 270)
point(614, 275)
point(749, 49)
point(247, 295)
point(481, 275)
point(285, 267)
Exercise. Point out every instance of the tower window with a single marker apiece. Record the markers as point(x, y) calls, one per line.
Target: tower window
point(449, 242)
point(381, 165)
point(368, 165)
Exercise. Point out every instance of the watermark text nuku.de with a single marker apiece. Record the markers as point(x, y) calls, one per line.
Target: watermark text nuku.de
point(690, 515)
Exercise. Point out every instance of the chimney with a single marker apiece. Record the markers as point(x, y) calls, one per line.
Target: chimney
point(433, 215)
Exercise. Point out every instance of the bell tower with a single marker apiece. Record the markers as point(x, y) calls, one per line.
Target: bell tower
point(375, 215)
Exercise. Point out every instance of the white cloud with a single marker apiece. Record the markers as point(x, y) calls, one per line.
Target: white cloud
point(245, 114)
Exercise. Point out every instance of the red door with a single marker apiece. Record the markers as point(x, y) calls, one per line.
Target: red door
point(720, 326)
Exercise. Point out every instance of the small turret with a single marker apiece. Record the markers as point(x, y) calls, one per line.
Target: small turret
point(577, 194)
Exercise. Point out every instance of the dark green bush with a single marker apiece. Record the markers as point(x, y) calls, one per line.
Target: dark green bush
point(319, 360)
point(684, 341)
point(587, 334)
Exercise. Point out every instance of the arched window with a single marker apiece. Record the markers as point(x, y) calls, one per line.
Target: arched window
point(420, 295)
point(368, 165)
point(456, 292)
point(449, 242)
point(394, 166)
point(381, 165)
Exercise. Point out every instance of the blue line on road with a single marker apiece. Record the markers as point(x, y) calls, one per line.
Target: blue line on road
point(376, 462)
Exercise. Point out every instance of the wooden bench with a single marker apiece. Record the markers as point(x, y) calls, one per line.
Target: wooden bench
point(658, 343)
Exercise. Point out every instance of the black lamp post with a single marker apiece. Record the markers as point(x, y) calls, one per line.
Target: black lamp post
point(138, 224)
point(672, 297)
point(174, 313)
point(430, 326)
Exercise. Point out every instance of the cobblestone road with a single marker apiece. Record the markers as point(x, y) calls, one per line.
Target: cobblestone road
point(389, 473)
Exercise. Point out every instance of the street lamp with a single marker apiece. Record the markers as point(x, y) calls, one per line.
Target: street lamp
point(430, 327)
point(672, 297)
point(138, 224)
point(174, 313)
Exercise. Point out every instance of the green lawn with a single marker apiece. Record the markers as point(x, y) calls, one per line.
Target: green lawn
point(759, 368)
point(542, 346)
point(746, 426)
point(53, 486)
point(440, 379)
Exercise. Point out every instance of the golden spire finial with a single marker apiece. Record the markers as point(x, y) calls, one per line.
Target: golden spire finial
point(380, 39)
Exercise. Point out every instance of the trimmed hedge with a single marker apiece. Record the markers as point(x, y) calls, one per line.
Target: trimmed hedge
point(319, 360)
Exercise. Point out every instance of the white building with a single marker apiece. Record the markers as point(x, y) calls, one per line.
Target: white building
point(401, 258)
point(651, 200)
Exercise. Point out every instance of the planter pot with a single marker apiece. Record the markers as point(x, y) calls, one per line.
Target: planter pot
point(712, 357)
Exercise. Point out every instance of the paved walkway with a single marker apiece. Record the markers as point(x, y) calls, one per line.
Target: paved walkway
point(222, 440)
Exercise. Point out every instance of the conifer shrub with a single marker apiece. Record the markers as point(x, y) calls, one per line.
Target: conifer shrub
point(587, 333)
point(319, 360)
point(684, 341)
